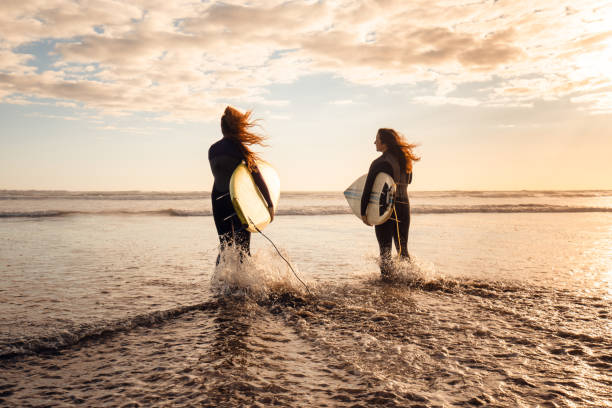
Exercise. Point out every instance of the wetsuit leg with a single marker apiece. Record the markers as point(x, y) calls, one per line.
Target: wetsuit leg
point(387, 234)
point(403, 216)
point(384, 235)
point(229, 227)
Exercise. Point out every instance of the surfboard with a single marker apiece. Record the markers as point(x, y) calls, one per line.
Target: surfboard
point(248, 202)
point(380, 203)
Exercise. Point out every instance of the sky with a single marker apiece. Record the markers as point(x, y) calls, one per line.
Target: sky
point(127, 95)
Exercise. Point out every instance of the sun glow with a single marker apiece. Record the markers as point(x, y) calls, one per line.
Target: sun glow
point(602, 61)
point(593, 72)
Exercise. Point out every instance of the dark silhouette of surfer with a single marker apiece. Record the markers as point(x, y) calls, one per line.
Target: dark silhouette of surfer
point(224, 156)
point(396, 160)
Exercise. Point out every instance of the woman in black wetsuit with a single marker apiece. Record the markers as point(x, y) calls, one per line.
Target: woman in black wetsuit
point(224, 156)
point(396, 160)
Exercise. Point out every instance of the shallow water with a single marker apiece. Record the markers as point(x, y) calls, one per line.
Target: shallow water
point(495, 309)
point(369, 344)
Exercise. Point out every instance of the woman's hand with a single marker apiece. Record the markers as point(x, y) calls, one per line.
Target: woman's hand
point(271, 211)
point(365, 220)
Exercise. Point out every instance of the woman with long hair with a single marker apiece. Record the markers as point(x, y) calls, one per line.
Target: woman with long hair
point(396, 160)
point(224, 156)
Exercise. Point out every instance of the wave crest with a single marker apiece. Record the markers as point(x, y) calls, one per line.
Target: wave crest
point(320, 210)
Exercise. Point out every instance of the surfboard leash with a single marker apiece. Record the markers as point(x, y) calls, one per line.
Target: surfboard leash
point(281, 255)
point(399, 242)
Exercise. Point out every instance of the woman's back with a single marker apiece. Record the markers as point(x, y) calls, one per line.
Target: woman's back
point(224, 156)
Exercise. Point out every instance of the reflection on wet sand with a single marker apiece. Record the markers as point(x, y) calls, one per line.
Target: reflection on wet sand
point(427, 344)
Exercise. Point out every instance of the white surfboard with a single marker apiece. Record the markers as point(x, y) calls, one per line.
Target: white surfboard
point(248, 202)
point(380, 203)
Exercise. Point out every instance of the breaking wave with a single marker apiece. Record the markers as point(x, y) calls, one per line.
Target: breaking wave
point(101, 195)
point(320, 210)
point(198, 195)
point(63, 213)
point(507, 208)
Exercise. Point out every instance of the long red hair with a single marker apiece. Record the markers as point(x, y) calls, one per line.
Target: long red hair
point(399, 147)
point(237, 127)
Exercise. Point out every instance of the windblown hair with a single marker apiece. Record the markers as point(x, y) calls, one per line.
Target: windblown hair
point(398, 147)
point(237, 127)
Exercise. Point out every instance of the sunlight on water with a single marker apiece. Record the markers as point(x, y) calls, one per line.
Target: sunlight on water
point(492, 309)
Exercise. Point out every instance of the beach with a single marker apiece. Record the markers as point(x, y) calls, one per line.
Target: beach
point(481, 129)
point(113, 299)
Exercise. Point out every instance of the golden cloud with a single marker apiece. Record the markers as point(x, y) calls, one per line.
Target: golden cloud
point(184, 59)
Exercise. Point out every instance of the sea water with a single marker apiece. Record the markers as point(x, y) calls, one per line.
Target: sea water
point(113, 299)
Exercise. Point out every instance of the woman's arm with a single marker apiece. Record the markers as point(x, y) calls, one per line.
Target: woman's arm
point(263, 189)
point(375, 168)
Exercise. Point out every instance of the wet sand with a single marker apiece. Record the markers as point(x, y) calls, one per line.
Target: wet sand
point(407, 343)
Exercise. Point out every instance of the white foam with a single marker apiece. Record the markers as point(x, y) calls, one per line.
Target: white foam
point(259, 275)
point(413, 271)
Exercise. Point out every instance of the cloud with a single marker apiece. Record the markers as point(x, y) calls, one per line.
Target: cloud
point(24, 22)
point(342, 102)
point(447, 100)
point(47, 116)
point(184, 60)
point(598, 102)
point(12, 62)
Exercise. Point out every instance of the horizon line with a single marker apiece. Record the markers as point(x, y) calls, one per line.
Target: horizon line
point(288, 191)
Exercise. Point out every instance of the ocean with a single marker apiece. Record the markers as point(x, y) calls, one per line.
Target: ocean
point(113, 299)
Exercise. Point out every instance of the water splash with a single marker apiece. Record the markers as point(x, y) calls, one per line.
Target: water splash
point(413, 271)
point(258, 276)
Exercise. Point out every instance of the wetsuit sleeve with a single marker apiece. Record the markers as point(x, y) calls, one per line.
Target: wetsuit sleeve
point(375, 168)
point(261, 185)
point(409, 177)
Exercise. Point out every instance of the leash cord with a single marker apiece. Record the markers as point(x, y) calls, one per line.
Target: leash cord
point(399, 242)
point(281, 255)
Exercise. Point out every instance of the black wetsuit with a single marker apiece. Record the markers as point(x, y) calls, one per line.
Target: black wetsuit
point(224, 156)
point(387, 232)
